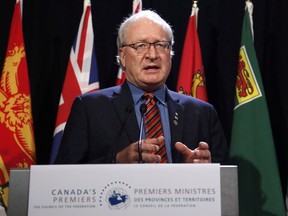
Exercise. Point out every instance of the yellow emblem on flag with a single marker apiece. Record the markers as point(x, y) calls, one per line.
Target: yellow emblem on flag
point(247, 88)
point(16, 114)
point(197, 82)
point(17, 147)
point(3, 185)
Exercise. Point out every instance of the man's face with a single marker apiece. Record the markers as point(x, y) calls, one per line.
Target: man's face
point(148, 70)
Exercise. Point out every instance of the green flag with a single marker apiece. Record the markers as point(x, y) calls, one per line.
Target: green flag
point(252, 145)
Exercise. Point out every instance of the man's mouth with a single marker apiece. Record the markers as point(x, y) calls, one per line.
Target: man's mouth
point(151, 67)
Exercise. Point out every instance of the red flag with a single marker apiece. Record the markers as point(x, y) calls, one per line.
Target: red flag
point(121, 76)
point(137, 6)
point(17, 149)
point(81, 75)
point(191, 78)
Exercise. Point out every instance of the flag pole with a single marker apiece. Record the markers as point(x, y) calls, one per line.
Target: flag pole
point(195, 11)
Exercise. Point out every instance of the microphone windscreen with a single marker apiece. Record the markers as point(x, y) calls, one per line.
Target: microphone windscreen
point(143, 108)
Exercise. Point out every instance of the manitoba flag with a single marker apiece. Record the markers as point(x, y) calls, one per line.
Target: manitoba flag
point(191, 79)
point(121, 76)
point(17, 148)
point(81, 74)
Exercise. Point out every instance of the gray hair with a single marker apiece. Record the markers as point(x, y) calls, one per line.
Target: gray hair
point(153, 16)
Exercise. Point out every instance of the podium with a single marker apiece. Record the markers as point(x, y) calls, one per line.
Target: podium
point(19, 191)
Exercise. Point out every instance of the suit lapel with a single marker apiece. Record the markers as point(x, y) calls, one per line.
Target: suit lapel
point(176, 120)
point(124, 107)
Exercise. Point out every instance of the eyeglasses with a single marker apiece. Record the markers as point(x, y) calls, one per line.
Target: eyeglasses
point(143, 47)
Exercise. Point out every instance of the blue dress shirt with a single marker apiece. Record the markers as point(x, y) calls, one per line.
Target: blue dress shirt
point(163, 109)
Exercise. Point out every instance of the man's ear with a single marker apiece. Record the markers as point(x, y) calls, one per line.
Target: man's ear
point(122, 59)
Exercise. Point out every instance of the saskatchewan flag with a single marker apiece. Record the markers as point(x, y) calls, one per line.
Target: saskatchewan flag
point(252, 145)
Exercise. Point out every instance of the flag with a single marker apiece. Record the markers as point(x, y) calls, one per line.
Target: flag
point(121, 76)
point(287, 200)
point(17, 149)
point(137, 6)
point(191, 78)
point(81, 74)
point(252, 145)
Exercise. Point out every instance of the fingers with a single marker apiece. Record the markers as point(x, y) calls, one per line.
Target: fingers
point(203, 153)
point(152, 145)
point(149, 148)
point(203, 146)
point(151, 158)
point(128, 155)
point(200, 155)
point(183, 148)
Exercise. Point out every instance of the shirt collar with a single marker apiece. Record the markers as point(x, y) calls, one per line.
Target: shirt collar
point(137, 93)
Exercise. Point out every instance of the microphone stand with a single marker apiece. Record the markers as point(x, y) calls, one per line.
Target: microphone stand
point(143, 109)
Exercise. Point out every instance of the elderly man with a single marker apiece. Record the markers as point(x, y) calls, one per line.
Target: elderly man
point(142, 120)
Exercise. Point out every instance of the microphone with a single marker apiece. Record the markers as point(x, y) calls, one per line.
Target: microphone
point(143, 109)
point(128, 110)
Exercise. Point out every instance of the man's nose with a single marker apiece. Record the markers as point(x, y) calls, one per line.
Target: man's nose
point(152, 52)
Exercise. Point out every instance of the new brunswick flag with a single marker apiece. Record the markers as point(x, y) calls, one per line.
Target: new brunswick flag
point(252, 145)
point(17, 148)
point(191, 78)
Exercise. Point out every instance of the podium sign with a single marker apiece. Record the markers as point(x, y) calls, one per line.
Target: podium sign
point(125, 190)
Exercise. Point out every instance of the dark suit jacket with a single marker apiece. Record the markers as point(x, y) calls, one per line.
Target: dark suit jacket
point(104, 122)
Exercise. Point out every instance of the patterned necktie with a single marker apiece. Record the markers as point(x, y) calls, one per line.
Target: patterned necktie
point(153, 124)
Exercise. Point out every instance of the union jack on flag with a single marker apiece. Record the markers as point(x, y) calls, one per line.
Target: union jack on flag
point(81, 75)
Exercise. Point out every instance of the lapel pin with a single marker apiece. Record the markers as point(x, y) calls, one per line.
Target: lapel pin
point(175, 121)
